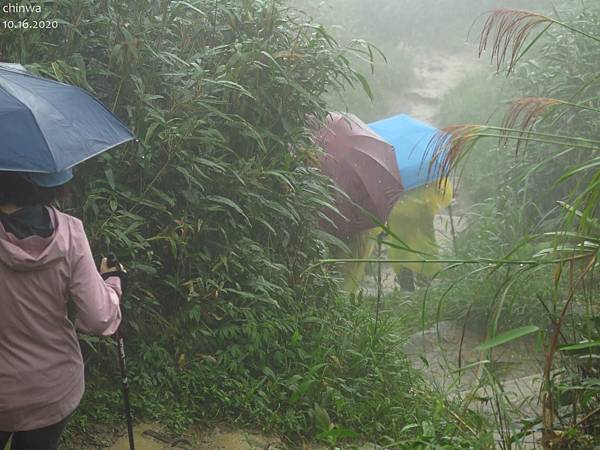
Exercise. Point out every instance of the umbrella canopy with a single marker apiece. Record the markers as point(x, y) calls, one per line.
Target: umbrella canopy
point(410, 139)
point(364, 167)
point(47, 127)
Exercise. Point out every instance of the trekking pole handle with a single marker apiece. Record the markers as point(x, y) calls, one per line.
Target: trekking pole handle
point(112, 261)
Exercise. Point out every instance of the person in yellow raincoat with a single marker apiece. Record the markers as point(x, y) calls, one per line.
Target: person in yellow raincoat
point(412, 221)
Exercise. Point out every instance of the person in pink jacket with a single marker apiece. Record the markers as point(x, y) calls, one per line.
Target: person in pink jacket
point(45, 261)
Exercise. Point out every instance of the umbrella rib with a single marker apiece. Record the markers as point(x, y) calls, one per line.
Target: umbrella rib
point(103, 150)
point(364, 185)
point(380, 163)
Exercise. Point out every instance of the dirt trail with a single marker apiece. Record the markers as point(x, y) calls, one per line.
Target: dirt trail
point(444, 348)
point(436, 74)
point(150, 437)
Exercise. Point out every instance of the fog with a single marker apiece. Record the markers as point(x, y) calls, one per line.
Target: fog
point(430, 47)
point(418, 23)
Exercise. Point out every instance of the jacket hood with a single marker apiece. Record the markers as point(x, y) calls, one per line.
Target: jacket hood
point(34, 252)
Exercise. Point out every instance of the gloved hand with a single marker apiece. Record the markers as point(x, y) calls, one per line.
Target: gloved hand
point(105, 269)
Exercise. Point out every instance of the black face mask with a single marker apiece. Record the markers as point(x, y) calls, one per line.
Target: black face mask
point(28, 221)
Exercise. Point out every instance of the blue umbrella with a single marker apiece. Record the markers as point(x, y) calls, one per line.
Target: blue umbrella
point(48, 127)
point(410, 139)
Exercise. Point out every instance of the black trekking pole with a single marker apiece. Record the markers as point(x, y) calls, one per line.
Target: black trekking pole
point(112, 262)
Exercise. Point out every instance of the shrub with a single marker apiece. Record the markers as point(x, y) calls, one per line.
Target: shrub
point(215, 211)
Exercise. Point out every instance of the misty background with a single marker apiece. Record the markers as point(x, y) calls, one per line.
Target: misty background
point(414, 35)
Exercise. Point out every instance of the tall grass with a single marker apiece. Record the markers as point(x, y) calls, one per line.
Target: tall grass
point(553, 207)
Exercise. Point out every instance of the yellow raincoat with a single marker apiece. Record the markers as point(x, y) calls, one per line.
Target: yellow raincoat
point(411, 219)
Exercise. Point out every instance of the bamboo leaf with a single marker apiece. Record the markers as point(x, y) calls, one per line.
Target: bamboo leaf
point(580, 346)
point(227, 202)
point(472, 365)
point(365, 84)
point(507, 337)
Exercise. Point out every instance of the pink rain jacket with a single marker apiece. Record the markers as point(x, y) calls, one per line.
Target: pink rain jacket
point(41, 367)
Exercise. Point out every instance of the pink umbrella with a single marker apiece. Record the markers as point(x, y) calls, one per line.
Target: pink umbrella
point(363, 166)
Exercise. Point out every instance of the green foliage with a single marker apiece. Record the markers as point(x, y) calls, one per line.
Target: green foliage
point(567, 63)
point(507, 336)
point(338, 377)
point(215, 211)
